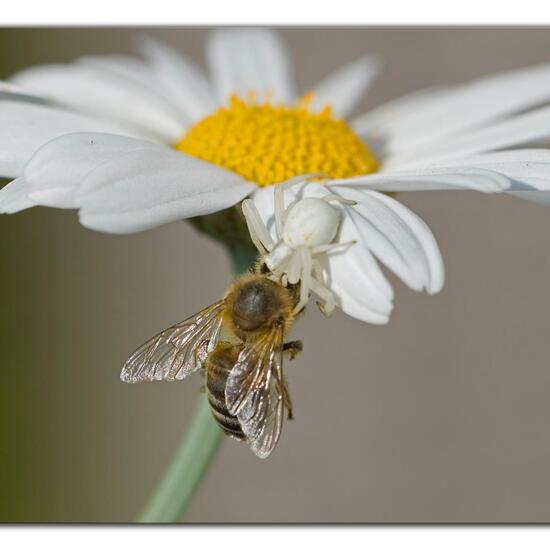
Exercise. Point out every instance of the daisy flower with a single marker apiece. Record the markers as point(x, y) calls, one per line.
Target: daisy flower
point(133, 143)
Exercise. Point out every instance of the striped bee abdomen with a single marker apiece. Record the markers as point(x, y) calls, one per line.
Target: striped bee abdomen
point(218, 365)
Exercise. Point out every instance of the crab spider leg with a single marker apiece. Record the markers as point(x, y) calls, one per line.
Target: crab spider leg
point(331, 197)
point(282, 266)
point(300, 305)
point(320, 289)
point(254, 236)
point(325, 294)
point(300, 179)
point(294, 268)
point(331, 246)
point(279, 204)
point(317, 268)
point(256, 227)
point(280, 270)
point(305, 277)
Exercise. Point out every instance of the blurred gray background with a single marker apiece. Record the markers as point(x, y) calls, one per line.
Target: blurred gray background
point(442, 416)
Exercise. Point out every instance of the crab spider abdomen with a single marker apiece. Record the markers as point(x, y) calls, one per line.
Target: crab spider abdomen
point(310, 222)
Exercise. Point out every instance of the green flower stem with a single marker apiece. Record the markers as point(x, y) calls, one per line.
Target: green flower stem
point(188, 466)
point(199, 445)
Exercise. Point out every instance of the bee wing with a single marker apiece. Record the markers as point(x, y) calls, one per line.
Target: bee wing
point(262, 424)
point(254, 392)
point(176, 352)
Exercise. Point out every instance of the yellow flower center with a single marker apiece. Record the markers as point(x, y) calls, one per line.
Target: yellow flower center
point(268, 144)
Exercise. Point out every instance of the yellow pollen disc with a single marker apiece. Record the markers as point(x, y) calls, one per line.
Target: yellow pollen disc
point(268, 144)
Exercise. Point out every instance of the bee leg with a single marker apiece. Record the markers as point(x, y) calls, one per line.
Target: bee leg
point(293, 348)
point(202, 389)
point(287, 401)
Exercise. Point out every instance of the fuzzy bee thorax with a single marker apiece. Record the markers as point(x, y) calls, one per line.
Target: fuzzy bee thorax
point(254, 303)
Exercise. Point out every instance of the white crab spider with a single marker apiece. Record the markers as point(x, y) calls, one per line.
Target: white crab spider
point(304, 230)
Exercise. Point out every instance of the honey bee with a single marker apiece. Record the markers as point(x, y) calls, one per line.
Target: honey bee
point(238, 343)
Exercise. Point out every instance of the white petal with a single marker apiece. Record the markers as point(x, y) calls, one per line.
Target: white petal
point(508, 156)
point(355, 279)
point(12, 92)
point(350, 305)
point(522, 129)
point(523, 173)
point(127, 66)
point(145, 189)
point(26, 126)
point(468, 106)
point(180, 80)
point(344, 88)
point(390, 238)
point(381, 294)
point(136, 70)
point(14, 198)
point(520, 166)
point(528, 171)
point(107, 94)
point(431, 179)
point(407, 233)
point(56, 170)
point(377, 120)
point(245, 60)
point(160, 77)
point(347, 300)
point(9, 87)
point(428, 244)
